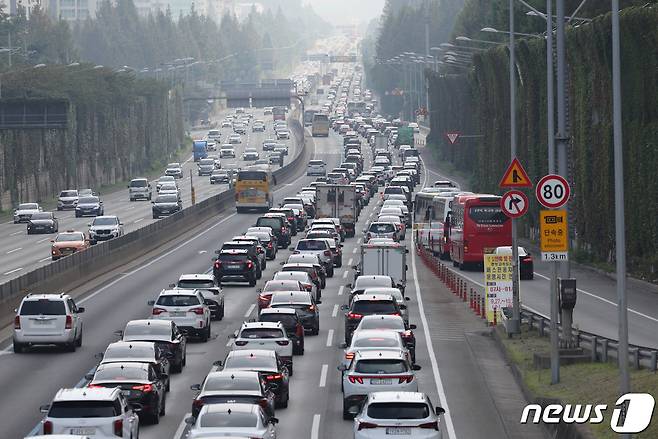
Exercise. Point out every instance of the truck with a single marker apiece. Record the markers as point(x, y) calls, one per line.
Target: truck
point(405, 136)
point(200, 149)
point(388, 259)
point(338, 201)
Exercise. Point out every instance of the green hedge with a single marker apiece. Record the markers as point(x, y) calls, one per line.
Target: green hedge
point(478, 103)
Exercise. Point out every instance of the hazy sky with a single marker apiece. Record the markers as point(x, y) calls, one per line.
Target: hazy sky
point(347, 11)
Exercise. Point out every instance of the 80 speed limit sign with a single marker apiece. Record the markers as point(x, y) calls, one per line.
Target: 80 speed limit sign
point(552, 191)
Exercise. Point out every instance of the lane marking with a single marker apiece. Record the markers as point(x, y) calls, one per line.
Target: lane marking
point(250, 310)
point(14, 250)
point(323, 375)
point(229, 342)
point(138, 220)
point(349, 263)
point(44, 259)
point(334, 313)
point(43, 240)
point(345, 273)
point(330, 337)
point(16, 233)
point(181, 427)
point(340, 290)
point(354, 250)
point(315, 428)
point(12, 271)
point(358, 241)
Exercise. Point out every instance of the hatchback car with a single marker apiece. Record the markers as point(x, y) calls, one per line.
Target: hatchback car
point(186, 308)
point(291, 321)
point(43, 222)
point(67, 243)
point(166, 336)
point(232, 419)
point(305, 305)
point(47, 319)
point(269, 336)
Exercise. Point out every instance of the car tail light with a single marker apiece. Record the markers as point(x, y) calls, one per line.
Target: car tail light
point(353, 315)
point(284, 229)
point(366, 425)
point(17, 322)
point(118, 427)
point(250, 265)
point(158, 311)
point(282, 342)
point(407, 334)
point(69, 323)
point(47, 427)
point(368, 236)
point(144, 387)
point(269, 245)
point(241, 342)
point(218, 264)
point(198, 311)
point(327, 252)
point(263, 402)
point(276, 376)
point(308, 287)
point(430, 425)
point(349, 356)
point(299, 330)
point(395, 314)
point(312, 307)
point(406, 379)
point(291, 219)
point(260, 250)
point(197, 403)
point(354, 379)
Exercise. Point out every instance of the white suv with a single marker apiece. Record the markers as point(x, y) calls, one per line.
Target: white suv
point(316, 167)
point(270, 336)
point(43, 319)
point(186, 308)
point(376, 371)
point(402, 414)
point(97, 412)
point(318, 247)
point(103, 228)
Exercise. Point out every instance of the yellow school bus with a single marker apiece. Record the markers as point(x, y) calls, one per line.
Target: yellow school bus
point(253, 189)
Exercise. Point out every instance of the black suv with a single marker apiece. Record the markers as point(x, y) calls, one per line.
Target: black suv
point(280, 228)
point(165, 205)
point(234, 264)
point(252, 252)
point(365, 305)
point(291, 321)
point(290, 214)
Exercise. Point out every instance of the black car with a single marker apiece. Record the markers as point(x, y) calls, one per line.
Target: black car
point(234, 265)
point(364, 305)
point(42, 222)
point(290, 214)
point(303, 303)
point(268, 364)
point(139, 382)
point(291, 321)
point(219, 177)
point(89, 206)
point(165, 334)
point(165, 205)
point(252, 250)
point(280, 228)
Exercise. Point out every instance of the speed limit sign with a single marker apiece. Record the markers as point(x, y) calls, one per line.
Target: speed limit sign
point(553, 191)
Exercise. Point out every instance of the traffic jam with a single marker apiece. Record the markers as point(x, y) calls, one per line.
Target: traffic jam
point(368, 200)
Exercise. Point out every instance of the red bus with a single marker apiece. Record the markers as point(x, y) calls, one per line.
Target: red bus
point(477, 226)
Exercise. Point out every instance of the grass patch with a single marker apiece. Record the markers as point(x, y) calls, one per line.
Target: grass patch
point(589, 383)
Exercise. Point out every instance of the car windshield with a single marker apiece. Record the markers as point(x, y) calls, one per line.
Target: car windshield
point(43, 307)
point(231, 382)
point(196, 283)
point(374, 307)
point(366, 282)
point(383, 366)
point(397, 324)
point(382, 228)
point(129, 350)
point(274, 223)
point(165, 178)
point(312, 245)
point(287, 320)
point(256, 333)
point(398, 410)
point(167, 198)
point(84, 409)
point(70, 237)
point(121, 373)
point(41, 216)
point(138, 183)
point(104, 221)
point(28, 206)
point(252, 361)
point(64, 194)
point(297, 275)
point(232, 419)
point(180, 300)
point(133, 331)
point(290, 285)
point(238, 257)
point(371, 342)
point(88, 200)
point(206, 162)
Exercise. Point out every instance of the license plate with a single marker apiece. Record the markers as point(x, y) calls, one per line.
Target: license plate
point(380, 381)
point(233, 267)
point(177, 313)
point(126, 393)
point(42, 322)
point(83, 431)
point(164, 211)
point(398, 430)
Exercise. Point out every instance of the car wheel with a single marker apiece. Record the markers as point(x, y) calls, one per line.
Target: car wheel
point(264, 264)
point(252, 282)
point(155, 217)
point(78, 342)
point(184, 361)
point(206, 334)
point(163, 408)
point(168, 385)
point(339, 263)
point(19, 348)
point(28, 231)
point(330, 273)
point(221, 313)
point(155, 416)
point(346, 414)
point(290, 369)
point(70, 347)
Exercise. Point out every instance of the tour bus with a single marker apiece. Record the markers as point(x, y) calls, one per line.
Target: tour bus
point(432, 208)
point(476, 225)
point(253, 189)
point(320, 127)
point(308, 117)
point(279, 113)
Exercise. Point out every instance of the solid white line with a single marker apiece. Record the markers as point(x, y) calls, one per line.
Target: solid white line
point(358, 241)
point(340, 290)
point(12, 271)
point(323, 375)
point(354, 250)
point(138, 220)
point(14, 250)
point(16, 233)
point(44, 259)
point(181, 427)
point(43, 240)
point(315, 428)
point(345, 273)
point(229, 342)
point(330, 337)
point(435, 367)
point(250, 310)
point(349, 263)
point(334, 313)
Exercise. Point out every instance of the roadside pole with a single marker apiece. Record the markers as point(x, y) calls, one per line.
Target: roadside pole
point(562, 136)
point(192, 191)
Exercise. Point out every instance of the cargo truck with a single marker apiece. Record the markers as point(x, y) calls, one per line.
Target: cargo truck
point(388, 259)
point(337, 201)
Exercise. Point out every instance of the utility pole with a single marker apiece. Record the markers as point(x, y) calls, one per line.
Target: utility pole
point(562, 137)
point(516, 306)
point(427, 53)
point(9, 47)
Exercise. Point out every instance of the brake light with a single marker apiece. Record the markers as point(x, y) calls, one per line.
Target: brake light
point(430, 425)
point(282, 342)
point(118, 427)
point(354, 379)
point(353, 315)
point(299, 330)
point(241, 342)
point(218, 263)
point(197, 404)
point(263, 402)
point(276, 376)
point(327, 252)
point(144, 387)
point(269, 244)
point(368, 236)
point(407, 334)
point(395, 314)
point(260, 250)
point(366, 425)
point(69, 323)
point(250, 265)
point(198, 311)
point(349, 356)
point(308, 287)
point(312, 307)
point(406, 379)
point(47, 427)
point(17, 322)
point(94, 386)
point(158, 311)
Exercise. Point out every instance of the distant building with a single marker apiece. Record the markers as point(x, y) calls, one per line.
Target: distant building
point(70, 10)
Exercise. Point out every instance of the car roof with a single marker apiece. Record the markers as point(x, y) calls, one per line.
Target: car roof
point(251, 353)
point(178, 292)
point(269, 325)
point(46, 296)
point(88, 393)
point(369, 333)
point(376, 297)
point(377, 354)
point(149, 322)
point(412, 397)
point(381, 317)
point(195, 276)
point(278, 311)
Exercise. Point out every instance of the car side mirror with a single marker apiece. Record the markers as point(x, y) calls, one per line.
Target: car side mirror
point(189, 420)
point(439, 411)
point(217, 252)
point(406, 250)
point(403, 307)
point(44, 408)
point(120, 224)
point(99, 356)
point(318, 302)
point(151, 302)
point(416, 367)
point(234, 335)
point(119, 333)
point(353, 410)
point(218, 363)
point(344, 307)
point(349, 285)
point(291, 249)
point(81, 309)
point(273, 420)
point(89, 376)
point(152, 202)
point(342, 367)
point(88, 224)
point(172, 285)
point(260, 290)
point(196, 387)
point(343, 345)
point(412, 327)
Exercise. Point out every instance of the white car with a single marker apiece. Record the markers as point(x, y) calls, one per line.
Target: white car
point(98, 412)
point(170, 188)
point(398, 414)
point(318, 247)
point(232, 420)
point(67, 199)
point(302, 277)
point(372, 340)
point(175, 170)
point(234, 138)
point(186, 308)
point(106, 227)
point(47, 319)
point(163, 180)
point(270, 336)
point(376, 371)
point(24, 212)
point(209, 289)
point(227, 150)
point(250, 154)
point(381, 230)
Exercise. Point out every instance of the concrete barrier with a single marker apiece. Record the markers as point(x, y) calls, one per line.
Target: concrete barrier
point(75, 270)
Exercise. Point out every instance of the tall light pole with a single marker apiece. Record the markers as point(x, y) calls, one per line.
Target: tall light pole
point(562, 136)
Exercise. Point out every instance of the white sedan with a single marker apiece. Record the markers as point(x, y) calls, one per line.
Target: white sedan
point(232, 419)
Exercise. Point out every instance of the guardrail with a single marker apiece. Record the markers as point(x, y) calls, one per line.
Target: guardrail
point(75, 270)
point(601, 349)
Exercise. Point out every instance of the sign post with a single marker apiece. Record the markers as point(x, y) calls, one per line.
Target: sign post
point(453, 137)
point(499, 284)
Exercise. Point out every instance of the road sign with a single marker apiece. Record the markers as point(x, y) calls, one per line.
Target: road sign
point(515, 176)
point(514, 204)
point(453, 136)
point(553, 232)
point(553, 191)
point(498, 283)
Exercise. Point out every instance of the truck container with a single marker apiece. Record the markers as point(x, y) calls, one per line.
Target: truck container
point(337, 201)
point(388, 259)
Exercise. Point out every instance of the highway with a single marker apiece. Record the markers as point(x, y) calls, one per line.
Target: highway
point(21, 253)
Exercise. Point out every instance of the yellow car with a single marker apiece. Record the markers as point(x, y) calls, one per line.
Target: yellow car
point(67, 243)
